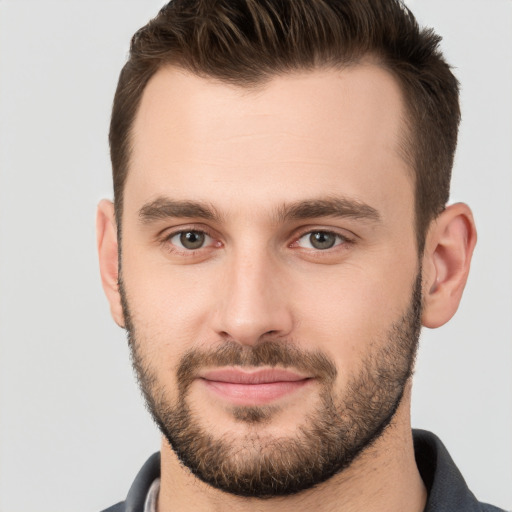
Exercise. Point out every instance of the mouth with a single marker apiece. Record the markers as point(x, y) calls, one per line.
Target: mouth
point(251, 388)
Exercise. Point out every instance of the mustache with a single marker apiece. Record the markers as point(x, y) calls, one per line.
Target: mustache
point(267, 353)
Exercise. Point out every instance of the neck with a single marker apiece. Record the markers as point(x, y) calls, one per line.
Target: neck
point(383, 478)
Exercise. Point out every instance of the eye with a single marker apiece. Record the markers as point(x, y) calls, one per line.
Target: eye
point(190, 239)
point(320, 240)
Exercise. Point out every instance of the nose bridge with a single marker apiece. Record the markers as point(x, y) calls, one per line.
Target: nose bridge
point(253, 302)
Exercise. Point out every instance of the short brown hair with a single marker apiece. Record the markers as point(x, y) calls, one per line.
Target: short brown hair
point(247, 42)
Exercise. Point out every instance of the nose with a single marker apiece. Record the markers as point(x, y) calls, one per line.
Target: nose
point(253, 303)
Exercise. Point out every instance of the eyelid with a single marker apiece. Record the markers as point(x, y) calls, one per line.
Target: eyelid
point(165, 237)
point(169, 232)
point(347, 237)
point(207, 239)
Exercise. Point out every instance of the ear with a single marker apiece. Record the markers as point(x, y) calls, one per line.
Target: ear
point(106, 235)
point(446, 261)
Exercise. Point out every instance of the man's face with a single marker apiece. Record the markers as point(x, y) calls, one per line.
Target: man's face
point(269, 271)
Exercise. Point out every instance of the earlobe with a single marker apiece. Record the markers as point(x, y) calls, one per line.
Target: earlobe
point(446, 262)
point(106, 235)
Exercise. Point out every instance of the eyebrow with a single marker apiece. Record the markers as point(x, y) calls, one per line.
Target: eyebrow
point(330, 207)
point(164, 207)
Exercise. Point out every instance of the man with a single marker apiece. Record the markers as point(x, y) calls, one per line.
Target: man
point(279, 234)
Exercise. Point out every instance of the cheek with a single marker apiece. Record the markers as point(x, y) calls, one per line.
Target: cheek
point(352, 313)
point(169, 304)
point(168, 319)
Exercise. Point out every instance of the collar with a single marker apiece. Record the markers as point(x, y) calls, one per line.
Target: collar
point(446, 488)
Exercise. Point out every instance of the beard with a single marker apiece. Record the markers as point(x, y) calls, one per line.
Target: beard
point(343, 424)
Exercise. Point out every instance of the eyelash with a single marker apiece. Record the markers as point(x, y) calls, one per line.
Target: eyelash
point(172, 248)
point(343, 239)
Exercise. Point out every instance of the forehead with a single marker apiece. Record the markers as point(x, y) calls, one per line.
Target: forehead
point(314, 133)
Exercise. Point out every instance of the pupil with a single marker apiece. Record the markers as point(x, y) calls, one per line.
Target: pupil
point(192, 239)
point(322, 240)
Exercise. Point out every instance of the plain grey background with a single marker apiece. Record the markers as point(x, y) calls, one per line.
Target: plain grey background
point(73, 430)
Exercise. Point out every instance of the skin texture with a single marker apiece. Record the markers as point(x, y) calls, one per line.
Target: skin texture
point(257, 463)
point(247, 157)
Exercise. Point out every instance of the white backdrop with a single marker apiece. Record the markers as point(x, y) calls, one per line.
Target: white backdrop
point(73, 430)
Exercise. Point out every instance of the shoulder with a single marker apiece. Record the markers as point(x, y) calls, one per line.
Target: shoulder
point(136, 497)
point(118, 507)
point(485, 507)
point(447, 490)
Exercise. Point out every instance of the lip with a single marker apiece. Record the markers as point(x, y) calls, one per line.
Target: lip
point(256, 387)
